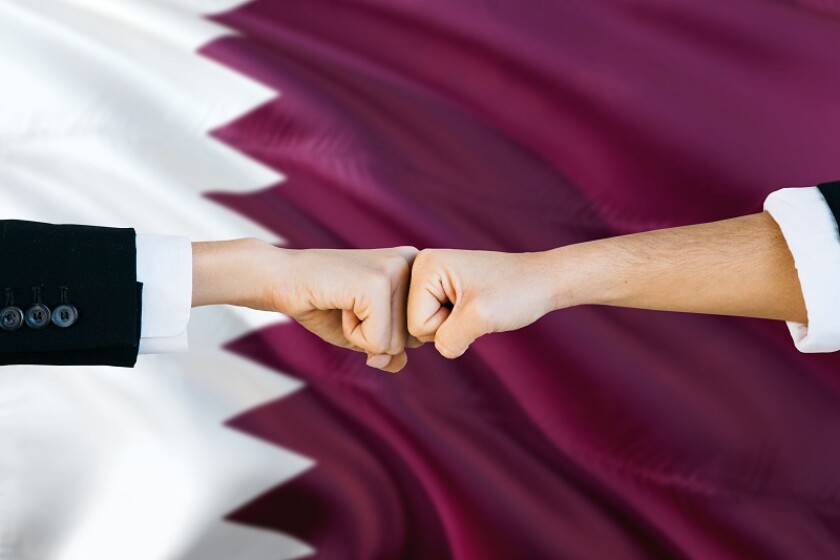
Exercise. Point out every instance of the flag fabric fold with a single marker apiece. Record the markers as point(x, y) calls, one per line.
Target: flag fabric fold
point(595, 433)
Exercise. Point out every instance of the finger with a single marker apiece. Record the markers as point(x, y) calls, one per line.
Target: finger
point(398, 362)
point(368, 325)
point(340, 341)
point(388, 362)
point(379, 361)
point(427, 308)
point(458, 332)
point(327, 326)
point(349, 324)
point(434, 323)
point(399, 329)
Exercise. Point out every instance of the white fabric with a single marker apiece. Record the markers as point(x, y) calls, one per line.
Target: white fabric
point(105, 119)
point(164, 266)
point(811, 233)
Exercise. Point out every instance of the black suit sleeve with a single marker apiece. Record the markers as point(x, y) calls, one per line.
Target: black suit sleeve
point(831, 194)
point(97, 267)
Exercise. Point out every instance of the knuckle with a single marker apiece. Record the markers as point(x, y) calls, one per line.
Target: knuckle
point(393, 269)
point(415, 328)
point(425, 258)
point(407, 252)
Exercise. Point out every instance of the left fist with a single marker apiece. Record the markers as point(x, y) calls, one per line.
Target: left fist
point(457, 296)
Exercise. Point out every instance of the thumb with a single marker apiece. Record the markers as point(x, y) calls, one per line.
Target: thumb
point(457, 332)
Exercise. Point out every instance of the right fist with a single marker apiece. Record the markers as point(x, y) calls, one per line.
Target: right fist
point(457, 296)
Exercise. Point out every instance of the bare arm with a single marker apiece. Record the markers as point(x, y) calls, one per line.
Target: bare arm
point(352, 298)
point(740, 267)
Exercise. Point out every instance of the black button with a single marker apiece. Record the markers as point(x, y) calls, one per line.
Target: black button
point(38, 316)
point(11, 318)
point(64, 316)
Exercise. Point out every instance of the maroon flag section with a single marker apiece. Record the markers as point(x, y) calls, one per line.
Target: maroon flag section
point(595, 433)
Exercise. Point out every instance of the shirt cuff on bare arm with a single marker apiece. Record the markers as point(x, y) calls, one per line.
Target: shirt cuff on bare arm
point(164, 266)
point(811, 233)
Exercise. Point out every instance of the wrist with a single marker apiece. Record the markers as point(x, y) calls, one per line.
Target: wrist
point(582, 274)
point(283, 288)
point(230, 272)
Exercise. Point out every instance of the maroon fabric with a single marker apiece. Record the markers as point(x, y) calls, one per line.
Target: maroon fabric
point(595, 433)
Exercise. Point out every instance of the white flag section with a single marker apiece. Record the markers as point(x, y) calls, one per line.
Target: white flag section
point(104, 120)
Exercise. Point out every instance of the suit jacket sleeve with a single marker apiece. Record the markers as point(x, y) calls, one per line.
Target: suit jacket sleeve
point(808, 218)
point(97, 267)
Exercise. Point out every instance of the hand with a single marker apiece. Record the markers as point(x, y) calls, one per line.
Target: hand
point(458, 296)
point(355, 299)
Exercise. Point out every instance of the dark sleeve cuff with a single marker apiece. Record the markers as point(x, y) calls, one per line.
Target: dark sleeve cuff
point(831, 194)
point(98, 266)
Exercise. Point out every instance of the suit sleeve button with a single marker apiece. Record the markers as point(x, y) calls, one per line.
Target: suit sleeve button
point(64, 315)
point(11, 318)
point(38, 316)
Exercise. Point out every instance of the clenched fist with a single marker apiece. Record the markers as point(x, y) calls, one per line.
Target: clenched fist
point(351, 298)
point(457, 296)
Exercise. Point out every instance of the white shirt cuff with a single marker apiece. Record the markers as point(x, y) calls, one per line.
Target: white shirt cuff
point(164, 266)
point(811, 233)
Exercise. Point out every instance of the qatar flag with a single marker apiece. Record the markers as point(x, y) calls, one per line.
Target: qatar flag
point(512, 125)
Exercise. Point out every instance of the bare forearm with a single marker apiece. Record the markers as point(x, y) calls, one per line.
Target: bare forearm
point(738, 267)
point(354, 298)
